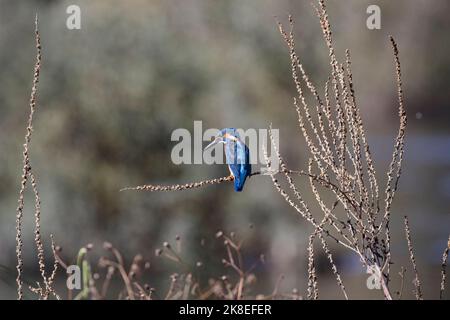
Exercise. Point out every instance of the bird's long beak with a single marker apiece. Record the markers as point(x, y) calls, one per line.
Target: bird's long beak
point(212, 144)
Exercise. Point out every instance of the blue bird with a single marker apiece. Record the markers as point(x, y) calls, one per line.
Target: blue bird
point(237, 156)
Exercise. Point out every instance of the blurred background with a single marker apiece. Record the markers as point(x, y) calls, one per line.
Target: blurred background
point(111, 93)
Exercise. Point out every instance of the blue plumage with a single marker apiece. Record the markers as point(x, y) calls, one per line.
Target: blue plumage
point(237, 156)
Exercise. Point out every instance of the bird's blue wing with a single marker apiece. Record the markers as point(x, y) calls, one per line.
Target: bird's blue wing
point(238, 159)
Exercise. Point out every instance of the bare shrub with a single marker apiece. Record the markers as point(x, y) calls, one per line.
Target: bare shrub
point(341, 162)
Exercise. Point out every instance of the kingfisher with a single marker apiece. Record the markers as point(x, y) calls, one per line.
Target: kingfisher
point(237, 156)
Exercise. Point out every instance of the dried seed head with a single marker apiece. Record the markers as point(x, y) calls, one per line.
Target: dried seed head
point(177, 187)
point(134, 267)
point(147, 265)
point(89, 246)
point(251, 278)
point(102, 262)
point(219, 234)
point(199, 264)
point(96, 276)
point(158, 252)
point(224, 278)
point(177, 237)
point(166, 245)
point(58, 248)
point(107, 245)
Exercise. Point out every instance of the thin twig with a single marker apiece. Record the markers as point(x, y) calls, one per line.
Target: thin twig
point(418, 291)
point(178, 187)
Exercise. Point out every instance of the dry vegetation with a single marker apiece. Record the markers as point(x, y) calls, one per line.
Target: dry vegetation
point(185, 284)
point(340, 166)
point(29, 176)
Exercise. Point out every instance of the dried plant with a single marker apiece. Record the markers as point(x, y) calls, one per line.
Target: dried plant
point(179, 187)
point(312, 278)
point(341, 163)
point(416, 281)
point(97, 277)
point(443, 269)
point(28, 175)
